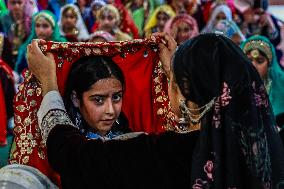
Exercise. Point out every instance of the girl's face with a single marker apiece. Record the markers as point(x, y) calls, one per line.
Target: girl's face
point(101, 104)
point(69, 20)
point(220, 16)
point(183, 32)
point(43, 29)
point(236, 38)
point(107, 21)
point(162, 18)
point(17, 6)
point(260, 62)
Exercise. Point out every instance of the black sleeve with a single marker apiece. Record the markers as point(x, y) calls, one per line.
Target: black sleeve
point(161, 161)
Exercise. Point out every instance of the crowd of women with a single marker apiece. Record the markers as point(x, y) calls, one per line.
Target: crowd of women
point(148, 93)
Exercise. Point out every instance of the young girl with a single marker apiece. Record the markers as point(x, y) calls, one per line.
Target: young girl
point(93, 97)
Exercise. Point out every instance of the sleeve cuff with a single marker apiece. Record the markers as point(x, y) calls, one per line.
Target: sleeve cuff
point(52, 100)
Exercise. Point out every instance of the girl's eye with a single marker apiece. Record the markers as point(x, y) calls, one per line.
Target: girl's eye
point(98, 100)
point(117, 97)
point(260, 61)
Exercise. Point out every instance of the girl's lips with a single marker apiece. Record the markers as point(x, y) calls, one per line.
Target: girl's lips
point(108, 121)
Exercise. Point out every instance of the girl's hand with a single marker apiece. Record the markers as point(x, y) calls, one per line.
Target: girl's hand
point(167, 50)
point(42, 66)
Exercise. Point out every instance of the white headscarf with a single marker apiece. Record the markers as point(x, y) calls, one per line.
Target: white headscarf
point(80, 24)
point(24, 177)
point(221, 8)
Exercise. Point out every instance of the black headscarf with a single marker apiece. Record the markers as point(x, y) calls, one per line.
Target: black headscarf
point(261, 4)
point(239, 146)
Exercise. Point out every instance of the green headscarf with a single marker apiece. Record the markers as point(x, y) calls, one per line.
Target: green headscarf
point(275, 73)
point(3, 8)
point(139, 15)
point(21, 63)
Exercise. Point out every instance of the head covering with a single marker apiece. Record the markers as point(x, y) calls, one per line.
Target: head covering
point(49, 16)
point(242, 5)
point(275, 73)
point(103, 34)
point(260, 4)
point(80, 25)
point(212, 20)
point(109, 8)
point(171, 25)
point(126, 23)
point(228, 28)
point(3, 8)
point(98, 3)
point(56, 6)
point(239, 145)
point(152, 22)
point(18, 176)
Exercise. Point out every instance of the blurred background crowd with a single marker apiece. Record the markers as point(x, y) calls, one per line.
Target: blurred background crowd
point(21, 21)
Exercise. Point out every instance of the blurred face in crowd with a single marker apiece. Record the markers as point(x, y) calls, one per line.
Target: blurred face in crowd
point(236, 38)
point(138, 3)
point(259, 61)
point(107, 21)
point(253, 16)
point(69, 18)
point(258, 14)
point(17, 7)
point(220, 16)
point(183, 32)
point(101, 104)
point(162, 18)
point(82, 3)
point(43, 29)
point(180, 6)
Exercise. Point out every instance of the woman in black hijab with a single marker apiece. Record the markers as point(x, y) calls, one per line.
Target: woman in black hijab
point(238, 136)
point(212, 86)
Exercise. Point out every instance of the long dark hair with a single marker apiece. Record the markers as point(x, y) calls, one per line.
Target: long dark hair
point(84, 73)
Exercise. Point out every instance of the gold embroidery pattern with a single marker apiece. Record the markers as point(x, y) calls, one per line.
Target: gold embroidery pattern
point(25, 107)
point(161, 99)
point(53, 118)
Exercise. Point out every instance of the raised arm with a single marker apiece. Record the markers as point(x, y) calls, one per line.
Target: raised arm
point(43, 67)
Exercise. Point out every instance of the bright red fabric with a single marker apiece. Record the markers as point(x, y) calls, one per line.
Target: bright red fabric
point(3, 117)
point(3, 114)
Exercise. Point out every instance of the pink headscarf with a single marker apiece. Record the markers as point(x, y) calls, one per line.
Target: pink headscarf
point(171, 24)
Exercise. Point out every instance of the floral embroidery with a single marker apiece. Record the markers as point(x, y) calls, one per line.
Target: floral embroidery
point(161, 99)
point(260, 96)
point(25, 109)
point(53, 118)
point(200, 184)
point(208, 168)
point(221, 101)
point(225, 97)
